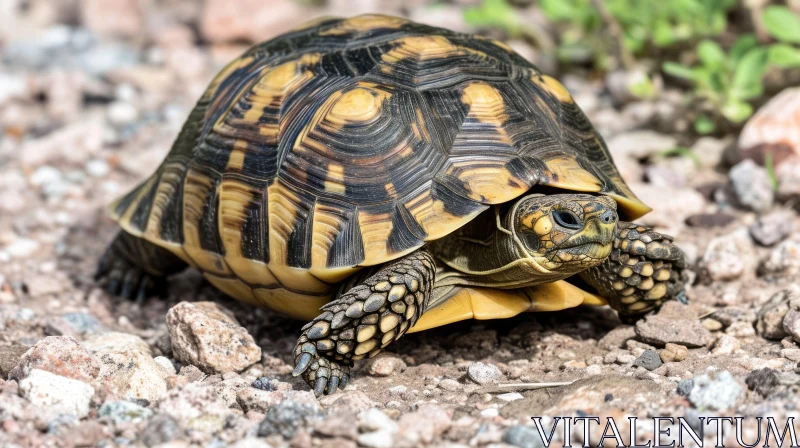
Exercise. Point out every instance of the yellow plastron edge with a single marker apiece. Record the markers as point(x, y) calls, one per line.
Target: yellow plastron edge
point(485, 303)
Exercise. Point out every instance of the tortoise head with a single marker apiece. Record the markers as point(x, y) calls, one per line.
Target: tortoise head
point(566, 233)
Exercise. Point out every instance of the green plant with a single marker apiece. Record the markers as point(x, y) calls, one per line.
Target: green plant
point(726, 81)
point(641, 23)
point(783, 25)
point(493, 14)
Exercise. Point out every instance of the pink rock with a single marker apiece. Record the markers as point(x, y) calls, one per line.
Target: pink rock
point(114, 17)
point(206, 335)
point(251, 20)
point(424, 425)
point(775, 129)
point(61, 355)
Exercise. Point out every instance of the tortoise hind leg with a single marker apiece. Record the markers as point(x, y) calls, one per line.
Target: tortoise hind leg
point(363, 321)
point(645, 269)
point(133, 267)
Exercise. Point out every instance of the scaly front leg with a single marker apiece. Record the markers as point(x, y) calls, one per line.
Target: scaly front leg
point(645, 268)
point(363, 321)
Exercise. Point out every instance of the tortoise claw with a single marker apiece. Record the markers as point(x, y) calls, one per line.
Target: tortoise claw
point(319, 388)
point(302, 364)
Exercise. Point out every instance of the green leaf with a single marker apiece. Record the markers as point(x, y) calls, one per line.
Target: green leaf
point(678, 70)
point(704, 125)
point(784, 56)
point(558, 10)
point(749, 71)
point(737, 111)
point(741, 47)
point(782, 24)
point(769, 164)
point(710, 53)
point(493, 14)
point(663, 36)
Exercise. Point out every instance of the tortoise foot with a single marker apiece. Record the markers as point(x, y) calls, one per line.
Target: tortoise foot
point(134, 268)
point(323, 375)
point(119, 277)
point(645, 269)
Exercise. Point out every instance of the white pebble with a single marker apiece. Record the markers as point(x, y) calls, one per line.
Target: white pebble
point(22, 247)
point(483, 373)
point(97, 168)
point(166, 365)
point(490, 413)
point(57, 393)
point(121, 113)
point(375, 420)
point(377, 439)
point(45, 175)
point(511, 396)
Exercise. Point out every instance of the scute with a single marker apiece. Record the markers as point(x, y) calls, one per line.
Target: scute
point(349, 143)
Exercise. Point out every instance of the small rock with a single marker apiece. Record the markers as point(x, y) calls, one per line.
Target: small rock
point(121, 113)
point(763, 381)
point(74, 324)
point(659, 330)
point(10, 356)
point(263, 383)
point(685, 387)
point(715, 391)
point(741, 330)
point(774, 126)
point(792, 354)
point(376, 439)
point(710, 220)
point(160, 429)
point(60, 355)
point(729, 315)
point(726, 345)
point(511, 396)
point(483, 373)
point(523, 437)
point(204, 336)
point(386, 365)
point(784, 259)
point(166, 365)
point(674, 352)
point(287, 417)
point(712, 324)
point(376, 420)
point(196, 406)
point(116, 342)
point(57, 393)
point(450, 384)
point(788, 175)
point(22, 248)
point(97, 168)
point(770, 318)
point(124, 411)
point(649, 360)
point(772, 228)
point(398, 390)
point(729, 257)
point(752, 186)
point(791, 324)
point(116, 18)
point(131, 375)
point(424, 425)
point(674, 205)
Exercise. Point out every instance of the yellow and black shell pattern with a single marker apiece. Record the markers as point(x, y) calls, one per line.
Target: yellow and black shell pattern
point(351, 142)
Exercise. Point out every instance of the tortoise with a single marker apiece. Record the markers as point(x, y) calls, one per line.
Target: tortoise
point(375, 177)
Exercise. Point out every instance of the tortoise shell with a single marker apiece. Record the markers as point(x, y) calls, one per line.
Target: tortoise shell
point(349, 143)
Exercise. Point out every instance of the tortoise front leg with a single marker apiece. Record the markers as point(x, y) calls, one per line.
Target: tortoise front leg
point(645, 268)
point(363, 321)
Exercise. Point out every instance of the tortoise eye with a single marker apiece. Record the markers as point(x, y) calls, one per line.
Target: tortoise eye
point(531, 241)
point(567, 220)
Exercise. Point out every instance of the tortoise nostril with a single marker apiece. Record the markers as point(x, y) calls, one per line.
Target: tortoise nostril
point(609, 217)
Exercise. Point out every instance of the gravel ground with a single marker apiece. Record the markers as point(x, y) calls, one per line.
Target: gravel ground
point(92, 94)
